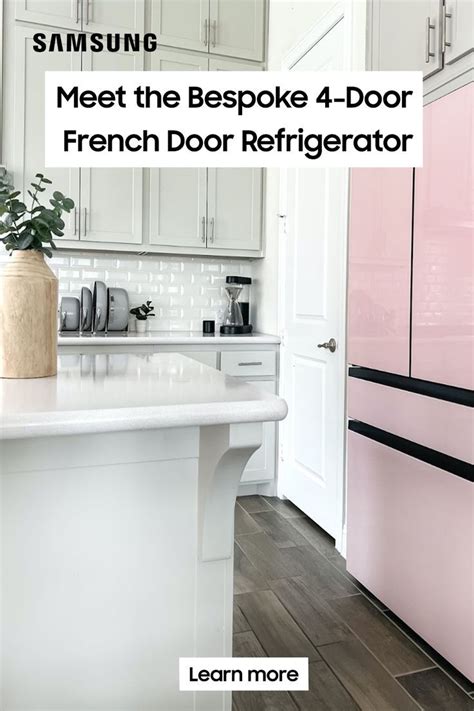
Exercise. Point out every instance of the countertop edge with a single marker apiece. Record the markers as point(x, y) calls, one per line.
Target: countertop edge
point(144, 418)
point(152, 340)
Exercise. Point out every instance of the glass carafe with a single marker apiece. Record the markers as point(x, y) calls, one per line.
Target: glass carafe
point(233, 314)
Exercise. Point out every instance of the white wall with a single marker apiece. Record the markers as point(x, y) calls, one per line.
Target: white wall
point(289, 20)
point(184, 290)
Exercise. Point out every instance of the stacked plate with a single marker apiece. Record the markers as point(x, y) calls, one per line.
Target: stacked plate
point(101, 309)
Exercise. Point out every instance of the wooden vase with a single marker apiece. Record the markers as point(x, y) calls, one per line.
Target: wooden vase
point(28, 317)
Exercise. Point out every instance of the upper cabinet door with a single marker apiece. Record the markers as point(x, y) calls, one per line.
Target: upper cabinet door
point(112, 198)
point(27, 127)
point(177, 196)
point(407, 35)
point(113, 16)
point(181, 23)
point(443, 264)
point(458, 29)
point(235, 208)
point(380, 269)
point(237, 28)
point(57, 13)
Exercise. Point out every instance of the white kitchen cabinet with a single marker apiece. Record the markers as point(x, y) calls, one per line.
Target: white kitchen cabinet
point(181, 23)
point(261, 465)
point(56, 13)
point(406, 35)
point(178, 210)
point(458, 29)
point(234, 208)
point(27, 134)
point(89, 15)
point(231, 27)
point(117, 16)
point(111, 198)
point(237, 28)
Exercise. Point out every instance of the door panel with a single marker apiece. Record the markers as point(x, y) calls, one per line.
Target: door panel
point(178, 210)
point(178, 207)
point(313, 264)
point(459, 29)
point(234, 208)
point(261, 465)
point(29, 115)
point(237, 29)
point(400, 536)
point(181, 23)
point(380, 269)
point(400, 35)
point(111, 198)
point(117, 16)
point(58, 13)
point(443, 308)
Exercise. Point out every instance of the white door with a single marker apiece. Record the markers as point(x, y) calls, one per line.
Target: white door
point(237, 28)
point(261, 465)
point(178, 210)
point(234, 208)
point(57, 13)
point(28, 131)
point(234, 194)
point(313, 306)
point(181, 23)
point(111, 198)
point(459, 31)
point(407, 35)
point(113, 16)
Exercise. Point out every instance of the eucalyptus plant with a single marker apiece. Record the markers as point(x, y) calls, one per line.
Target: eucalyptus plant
point(34, 228)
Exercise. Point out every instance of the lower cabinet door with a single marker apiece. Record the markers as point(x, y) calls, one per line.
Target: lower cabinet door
point(261, 465)
point(410, 542)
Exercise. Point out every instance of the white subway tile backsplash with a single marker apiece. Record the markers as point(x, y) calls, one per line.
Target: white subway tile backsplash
point(184, 290)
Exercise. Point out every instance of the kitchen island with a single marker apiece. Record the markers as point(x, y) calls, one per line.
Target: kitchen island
point(117, 497)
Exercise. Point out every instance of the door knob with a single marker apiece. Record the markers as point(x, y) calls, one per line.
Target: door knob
point(331, 345)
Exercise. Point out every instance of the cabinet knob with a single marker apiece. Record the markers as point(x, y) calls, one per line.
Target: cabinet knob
point(330, 345)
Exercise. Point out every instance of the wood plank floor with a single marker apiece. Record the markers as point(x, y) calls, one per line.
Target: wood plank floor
point(293, 597)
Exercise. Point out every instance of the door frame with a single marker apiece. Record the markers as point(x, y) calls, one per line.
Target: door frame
point(354, 57)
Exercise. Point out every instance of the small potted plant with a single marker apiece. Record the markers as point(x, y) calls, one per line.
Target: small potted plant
point(28, 287)
point(142, 314)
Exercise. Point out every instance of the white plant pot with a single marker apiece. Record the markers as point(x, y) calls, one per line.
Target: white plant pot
point(141, 326)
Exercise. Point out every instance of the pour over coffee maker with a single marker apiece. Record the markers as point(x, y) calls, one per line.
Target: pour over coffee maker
point(236, 317)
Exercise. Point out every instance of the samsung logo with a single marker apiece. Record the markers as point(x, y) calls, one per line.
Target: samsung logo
point(95, 42)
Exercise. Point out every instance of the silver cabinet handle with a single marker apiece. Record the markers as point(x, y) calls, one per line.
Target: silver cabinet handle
point(213, 224)
point(75, 221)
point(85, 222)
point(88, 2)
point(257, 362)
point(203, 233)
point(206, 33)
point(214, 33)
point(77, 11)
point(446, 15)
point(330, 345)
point(428, 53)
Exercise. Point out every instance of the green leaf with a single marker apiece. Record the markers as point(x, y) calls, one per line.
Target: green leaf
point(57, 232)
point(13, 195)
point(57, 195)
point(38, 187)
point(46, 251)
point(25, 242)
point(39, 175)
point(47, 181)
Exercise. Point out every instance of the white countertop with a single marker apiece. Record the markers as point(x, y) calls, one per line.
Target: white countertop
point(163, 338)
point(118, 392)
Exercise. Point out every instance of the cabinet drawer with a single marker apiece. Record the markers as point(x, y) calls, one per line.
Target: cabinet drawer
point(248, 363)
point(409, 541)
